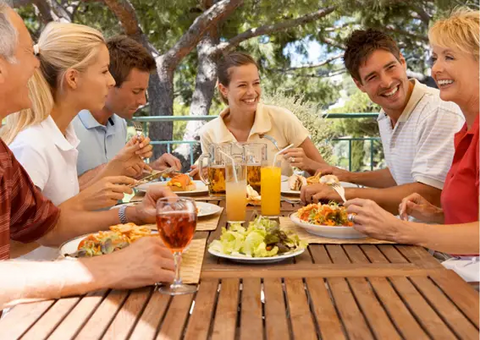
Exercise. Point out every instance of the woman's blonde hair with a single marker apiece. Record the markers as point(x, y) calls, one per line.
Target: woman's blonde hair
point(62, 46)
point(460, 30)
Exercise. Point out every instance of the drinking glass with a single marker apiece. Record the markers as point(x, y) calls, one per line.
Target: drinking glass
point(176, 223)
point(255, 155)
point(213, 175)
point(236, 185)
point(271, 187)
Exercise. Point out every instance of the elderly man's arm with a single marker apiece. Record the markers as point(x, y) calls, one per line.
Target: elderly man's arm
point(145, 262)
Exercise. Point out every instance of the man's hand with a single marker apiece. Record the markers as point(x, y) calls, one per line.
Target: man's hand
point(145, 262)
point(145, 148)
point(314, 193)
point(104, 193)
point(146, 212)
point(167, 161)
point(129, 160)
point(342, 175)
point(417, 206)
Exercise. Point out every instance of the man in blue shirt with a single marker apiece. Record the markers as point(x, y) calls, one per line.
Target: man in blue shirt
point(103, 134)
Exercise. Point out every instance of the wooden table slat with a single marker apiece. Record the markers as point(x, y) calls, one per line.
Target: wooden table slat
point(174, 323)
point(251, 315)
point(337, 254)
point(325, 314)
point(355, 253)
point(21, 318)
point(226, 314)
point(373, 253)
point(352, 318)
point(419, 256)
point(101, 319)
point(78, 316)
point(398, 313)
point(319, 254)
point(303, 326)
point(151, 317)
point(449, 312)
point(276, 323)
point(421, 309)
point(462, 295)
point(392, 253)
point(128, 314)
point(376, 316)
point(199, 323)
point(51, 319)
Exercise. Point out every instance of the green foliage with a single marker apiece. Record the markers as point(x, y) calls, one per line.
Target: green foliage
point(320, 128)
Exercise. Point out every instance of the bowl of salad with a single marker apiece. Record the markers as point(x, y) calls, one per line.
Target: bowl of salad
point(327, 220)
point(263, 241)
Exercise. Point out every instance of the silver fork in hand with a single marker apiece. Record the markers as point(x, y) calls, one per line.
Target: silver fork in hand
point(138, 128)
point(340, 190)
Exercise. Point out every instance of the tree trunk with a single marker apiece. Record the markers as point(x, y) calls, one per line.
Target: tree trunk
point(160, 93)
point(203, 94)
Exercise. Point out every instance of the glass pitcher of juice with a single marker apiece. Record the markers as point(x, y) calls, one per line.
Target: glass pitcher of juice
point(271, 175)
point(255, 155)
point(213, 173)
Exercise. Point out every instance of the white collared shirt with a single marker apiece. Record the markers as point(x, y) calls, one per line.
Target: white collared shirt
point(419, 148)
point(50, 158)
point(274, 121)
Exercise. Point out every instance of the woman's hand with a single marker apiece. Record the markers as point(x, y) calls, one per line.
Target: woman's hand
point(372, 220)
point(104, 193)
point(297, 158)
point(417, 206)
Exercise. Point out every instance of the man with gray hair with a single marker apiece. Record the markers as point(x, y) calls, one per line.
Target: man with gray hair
point(27, 216)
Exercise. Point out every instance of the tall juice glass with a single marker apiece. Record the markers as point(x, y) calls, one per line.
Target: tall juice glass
point(176, 223)
point(236, 185)
point(271, 184)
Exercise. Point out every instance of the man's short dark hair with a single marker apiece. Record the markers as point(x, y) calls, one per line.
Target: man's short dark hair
point(361, 44)
point(127, 54)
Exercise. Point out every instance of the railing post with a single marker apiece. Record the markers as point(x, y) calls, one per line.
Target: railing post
point(371, 154)
point(349, 155)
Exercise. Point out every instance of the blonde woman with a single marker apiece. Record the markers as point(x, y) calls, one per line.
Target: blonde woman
point(455, 43)
point(73, 75)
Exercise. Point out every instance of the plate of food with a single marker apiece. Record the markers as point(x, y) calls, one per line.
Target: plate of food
point(105, 242)
point(295, 183)
point(262, 242)
point(327, 220)
point(182, 185)
point(207, 209)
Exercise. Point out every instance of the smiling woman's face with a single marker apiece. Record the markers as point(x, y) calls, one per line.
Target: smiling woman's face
point(243, 92)
point(456, 74)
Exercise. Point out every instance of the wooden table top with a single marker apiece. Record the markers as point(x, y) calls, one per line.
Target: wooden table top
point(329, 292)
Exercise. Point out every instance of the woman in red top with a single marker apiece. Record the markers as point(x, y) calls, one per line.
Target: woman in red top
point(455, 43)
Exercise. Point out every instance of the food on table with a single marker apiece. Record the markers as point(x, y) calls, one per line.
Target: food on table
point(262, 238)
point(324, 214)
point(329, 179)
point(253, 197)
point(296, 182)
point(181, 182)
point(254, 176)
point(105, 242)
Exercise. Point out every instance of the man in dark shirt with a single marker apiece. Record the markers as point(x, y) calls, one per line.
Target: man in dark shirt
point(26, 216)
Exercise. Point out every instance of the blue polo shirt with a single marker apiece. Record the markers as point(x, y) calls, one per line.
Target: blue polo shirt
point(98, 143)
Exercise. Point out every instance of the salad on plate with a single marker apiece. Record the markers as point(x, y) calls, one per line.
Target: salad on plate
point(325, 214)
point(262, 239)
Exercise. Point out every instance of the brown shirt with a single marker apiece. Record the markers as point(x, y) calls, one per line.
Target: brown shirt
point(25, 214)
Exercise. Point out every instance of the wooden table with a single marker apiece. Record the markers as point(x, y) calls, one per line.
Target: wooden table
point(329, 292)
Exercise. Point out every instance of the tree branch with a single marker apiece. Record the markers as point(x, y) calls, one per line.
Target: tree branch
point(269, 29)
point(407, 34)
point(331, 42)
point(125, 12)
point(320, 64)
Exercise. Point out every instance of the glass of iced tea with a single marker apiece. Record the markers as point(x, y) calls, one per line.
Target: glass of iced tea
point(213, 173)
point(176, 223)
point(255, 155)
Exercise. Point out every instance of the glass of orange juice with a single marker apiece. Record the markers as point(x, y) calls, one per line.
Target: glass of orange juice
point(236, 185)
point(271, 184)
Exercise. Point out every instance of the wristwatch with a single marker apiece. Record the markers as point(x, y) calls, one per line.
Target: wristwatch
point(122, 215)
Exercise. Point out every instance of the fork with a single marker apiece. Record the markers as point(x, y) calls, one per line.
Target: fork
point(138, 128)
point(271, 139)
point(340, 190)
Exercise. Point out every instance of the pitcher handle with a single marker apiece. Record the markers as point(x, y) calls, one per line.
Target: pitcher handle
point(201, 168)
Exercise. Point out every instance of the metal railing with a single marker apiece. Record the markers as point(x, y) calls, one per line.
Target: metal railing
point(149, 119)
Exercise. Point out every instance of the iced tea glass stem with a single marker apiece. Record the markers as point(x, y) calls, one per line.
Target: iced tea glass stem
point(177, 257)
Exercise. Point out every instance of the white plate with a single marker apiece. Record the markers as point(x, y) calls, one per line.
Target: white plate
point(284, 178)
point(201, 188)
point(327, 231)
point(206, 209)
point(257, 260)
point(71, 246)
point(287, 191)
